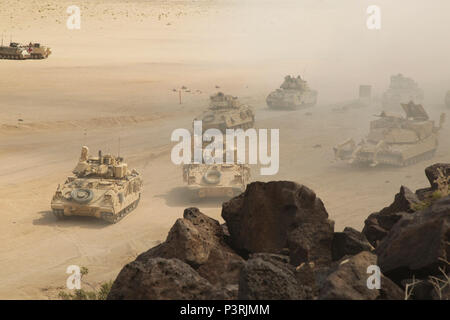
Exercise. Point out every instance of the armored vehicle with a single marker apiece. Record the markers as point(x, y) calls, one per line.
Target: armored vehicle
point(226, 112)
point(14, 51)
point(217, 180)
point(395, 140)
point(294, 93)
point(101, 187)
point(401, 90)
point(447, 99)
point(37, 51)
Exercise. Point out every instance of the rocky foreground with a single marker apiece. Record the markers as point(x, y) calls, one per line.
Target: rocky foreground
point(278, 243)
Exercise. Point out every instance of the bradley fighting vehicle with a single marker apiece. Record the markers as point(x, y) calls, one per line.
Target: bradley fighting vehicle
point(395, 140)
point(101, 187)
point(17, 51)
point(294, 93)
point(216, 180)
point(401, 90)
point(226, 112)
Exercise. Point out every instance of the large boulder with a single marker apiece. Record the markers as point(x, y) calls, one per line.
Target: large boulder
point(161, 279)
point(378, 224)
point(349, 242)
point(271, 277)
point(418, 244)
point(349, 281)
point(199, 241)
point(279, 217)
point(432, 173)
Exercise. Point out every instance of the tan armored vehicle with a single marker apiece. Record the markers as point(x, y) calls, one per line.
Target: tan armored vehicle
point(294, 93)
point(37, 51)
point(14, 52)
point(401, 90)
point(447, 99)
point(395, 140)
point(218, 180)
point(102, 187)
point(226, 112)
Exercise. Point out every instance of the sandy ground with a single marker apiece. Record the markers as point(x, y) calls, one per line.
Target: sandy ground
point(114, 79)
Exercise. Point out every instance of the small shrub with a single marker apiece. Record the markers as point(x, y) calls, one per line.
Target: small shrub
point(81, 294)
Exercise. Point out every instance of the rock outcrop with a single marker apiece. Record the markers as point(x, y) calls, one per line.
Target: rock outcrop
point(349, 281)
point(278, 243)
point(418, 244)
point(271, 277)
point(432, 173)
point(349, 242)
point(378, 224)
point(161, 279)
point(277, 217)
point(199, 241)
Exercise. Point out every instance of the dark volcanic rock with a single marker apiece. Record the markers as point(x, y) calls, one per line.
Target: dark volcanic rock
point(378, 224)
point(280, 216)
point(349, 281)
point(432, 173)
point(417, 243)
point(271, 277)
point(161, 279)
point(349, 242)
point(199, 241)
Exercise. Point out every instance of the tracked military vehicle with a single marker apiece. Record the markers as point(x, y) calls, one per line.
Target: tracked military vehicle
point(101, 187)
point(401, 90)
point(18, 51)
point(395, 140)
point(217, 180)
point(226, 112)
point(14, 52)
point(294, 93)
point(447, 99)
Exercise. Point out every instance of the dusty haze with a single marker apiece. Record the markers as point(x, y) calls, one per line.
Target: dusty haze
point(114, 78)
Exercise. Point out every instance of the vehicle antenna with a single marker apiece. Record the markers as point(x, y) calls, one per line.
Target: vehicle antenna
point(118, 155)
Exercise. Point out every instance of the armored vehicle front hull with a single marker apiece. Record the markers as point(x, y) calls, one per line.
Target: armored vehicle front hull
point(291, 99)
point(201, 192)
point(234, 119)
point(39, 52)
point(211, 181)
point(396, 154)
point(110, 211)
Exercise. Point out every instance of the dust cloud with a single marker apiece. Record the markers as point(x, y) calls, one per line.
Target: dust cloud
point(119, 77)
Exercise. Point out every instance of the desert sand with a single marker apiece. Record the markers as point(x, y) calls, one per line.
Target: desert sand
point(114, 79)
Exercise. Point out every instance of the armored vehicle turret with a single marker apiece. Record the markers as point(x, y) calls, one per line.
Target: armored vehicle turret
point(226, 112)
point(216, 180)
point(395, 140)
point(101, 187)
point(14, 52)
point(294, 93)
point(401, 90)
